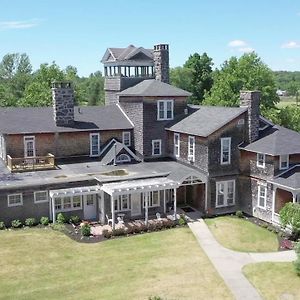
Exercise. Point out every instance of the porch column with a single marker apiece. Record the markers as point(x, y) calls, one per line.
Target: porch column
point(146, 207)
point(294, 197)
point(175, 203)
point(273, 201)
point(112, 211)
point(165, 208)
point(53, 209)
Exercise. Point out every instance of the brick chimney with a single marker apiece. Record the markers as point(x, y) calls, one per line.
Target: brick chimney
point(161, 62)
point(63, 103)
point(251, 100)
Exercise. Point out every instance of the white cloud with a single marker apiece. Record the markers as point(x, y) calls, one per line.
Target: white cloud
point(246, 49)
point(7, 25)
point(291, 45)
point(237, 43)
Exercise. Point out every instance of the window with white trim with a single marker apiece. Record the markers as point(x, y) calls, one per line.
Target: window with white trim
point(67, 203)
point(191, 148)
point(262, 196)
point(225, 151)
point(40, 196)
point(122, 203)
point(94, 144)
point(154, 199)
point(156, 147)
point(176, 144)
point(126, 138)
point(14, 200)
point(261, 160)
point(165, 110)
point(284, 162)
point(225, 193)
point(122, 158)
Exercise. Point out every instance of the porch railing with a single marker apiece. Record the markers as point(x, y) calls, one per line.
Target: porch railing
point(31, 163)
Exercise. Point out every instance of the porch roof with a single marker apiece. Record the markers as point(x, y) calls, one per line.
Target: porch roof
point(138, 186)
point(289, 179)
point(69, 192)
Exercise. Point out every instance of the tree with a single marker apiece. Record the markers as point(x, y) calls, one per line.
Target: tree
point(201, 75)
point(246, 73)
point(290, 215)
point(182, 78)
point(95, 89)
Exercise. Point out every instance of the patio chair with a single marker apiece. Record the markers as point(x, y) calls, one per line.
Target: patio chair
point(158, 217)
point(108, 220)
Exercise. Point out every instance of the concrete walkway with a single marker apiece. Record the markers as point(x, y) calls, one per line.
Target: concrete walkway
point(229, 263)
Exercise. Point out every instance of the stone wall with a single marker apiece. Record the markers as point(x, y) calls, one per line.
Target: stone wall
point(161, 62)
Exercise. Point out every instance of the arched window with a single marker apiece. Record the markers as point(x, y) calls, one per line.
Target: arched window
point(122, 158)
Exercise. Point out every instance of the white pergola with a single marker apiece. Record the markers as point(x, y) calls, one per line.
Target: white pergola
point(144, 186)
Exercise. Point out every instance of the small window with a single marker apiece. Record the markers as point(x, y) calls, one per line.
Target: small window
point(225, 151)
point(225, 194)
point(15, 200)
point(122, 158)
point(90, 200)
point(76, 201)
point(58, 204)
point(40, 196)
point(67, 203)
point(122, 203)
point(176, 144)
point(156, 147)
point(261, 160)
point(262, 196)
point(283, 162)
point(165, 110)
point(191, 148)
point(153, 200)
point(126, 138)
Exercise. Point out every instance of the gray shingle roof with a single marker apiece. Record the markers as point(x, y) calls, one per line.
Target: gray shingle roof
point(206, 120)
point(289, 179)
point(152, 87)
point(40, 119)
point(276, 140)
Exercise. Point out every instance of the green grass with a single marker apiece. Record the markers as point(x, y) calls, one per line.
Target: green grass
point(286, 101)
point(274, 280)
point(45, 264)
point(242, 235)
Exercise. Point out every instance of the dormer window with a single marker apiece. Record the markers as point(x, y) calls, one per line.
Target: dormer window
point(165, 110)
point(284, 162)
point(261, 160)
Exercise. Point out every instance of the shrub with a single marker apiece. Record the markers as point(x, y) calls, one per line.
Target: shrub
point(44, 221)
point(16, 223)
point(2, 226)
point(61, 218)
point(107, 234)
point(182, 220)
point(155, 298)
point(58, 227)
point(75, 220)
point(30, 222)
point(290, 215)
point(297, 262)
point(119, 231)
point(86, 229)
point(239, 214)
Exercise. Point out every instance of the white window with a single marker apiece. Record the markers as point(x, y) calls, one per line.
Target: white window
point(122, 158)
point(76, 201)
point(14, 200)
point(176, 144)
point(29, 146)
point(40, 196)
point(225, 193)
point(156, 147)
point(67, 203)
point(261, 160)
point(165, 109)
point(94, 144)
point(154, 199)
point(126, 137)
point(191, 148)
point(283, 162)
point(225, 151)
point(122, 203)
point(262, 196)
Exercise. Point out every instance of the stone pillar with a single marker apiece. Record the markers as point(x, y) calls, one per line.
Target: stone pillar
point(251, 100)
point(161, 62)
point(63, 103)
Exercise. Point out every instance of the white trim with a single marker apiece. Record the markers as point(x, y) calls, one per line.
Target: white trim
point(287, 162)
point(229, 151)
point(150, 199)
point(29, 138)
point(118, 160)
point(165, 106)
point(191, 157)
point(97, 134)
point(15, 204)
point(177, 146)
point(263, 165)
point(129, 138)
point(153, 142)
point(62, 203)
point(47, 197)
point(225, 183)
point(261, 185)
point(120, 204)
point(123, 112)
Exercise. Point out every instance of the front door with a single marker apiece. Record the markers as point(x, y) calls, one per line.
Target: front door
point(90, 210)
point(29, 146)
point(136, 205)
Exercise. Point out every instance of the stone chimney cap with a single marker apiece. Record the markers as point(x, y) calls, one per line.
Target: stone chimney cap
point(161, 47)
point(61, 84)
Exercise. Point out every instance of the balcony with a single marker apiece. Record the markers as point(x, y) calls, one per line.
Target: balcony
point(31, 164)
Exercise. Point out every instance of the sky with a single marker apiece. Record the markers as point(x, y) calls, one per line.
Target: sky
point(78, 32)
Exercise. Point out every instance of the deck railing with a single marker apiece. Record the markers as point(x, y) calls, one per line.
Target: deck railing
point(31, 163)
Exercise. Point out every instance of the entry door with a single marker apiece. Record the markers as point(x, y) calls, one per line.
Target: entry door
point(29, 146)
point(136, 205)
point(94, 144)
point(90, 206)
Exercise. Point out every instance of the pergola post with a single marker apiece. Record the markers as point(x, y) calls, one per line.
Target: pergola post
point(146, 197)
point(112, 211)
point(175, 203)
point(165, 208)
point(53, 209)
point(294, 197)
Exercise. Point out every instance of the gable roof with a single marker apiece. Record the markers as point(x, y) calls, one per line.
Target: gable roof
point(276, 140)
point(14, 120)
point(152, 87)
point(207, 119)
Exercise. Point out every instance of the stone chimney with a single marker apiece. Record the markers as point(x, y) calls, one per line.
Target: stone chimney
point(251, 100)
point(63, 103)
point(161, 62)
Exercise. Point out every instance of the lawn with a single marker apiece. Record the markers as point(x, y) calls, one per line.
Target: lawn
point(285, 101)
point(274, 280)
point(242, 235)
point(45, 264)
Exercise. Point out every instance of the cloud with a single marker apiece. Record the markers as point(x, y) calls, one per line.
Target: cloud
point(8, 25)
point(246, 49)
point(291, 45)
point(237, 43)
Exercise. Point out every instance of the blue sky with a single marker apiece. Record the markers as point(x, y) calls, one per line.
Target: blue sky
point(78, 32)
